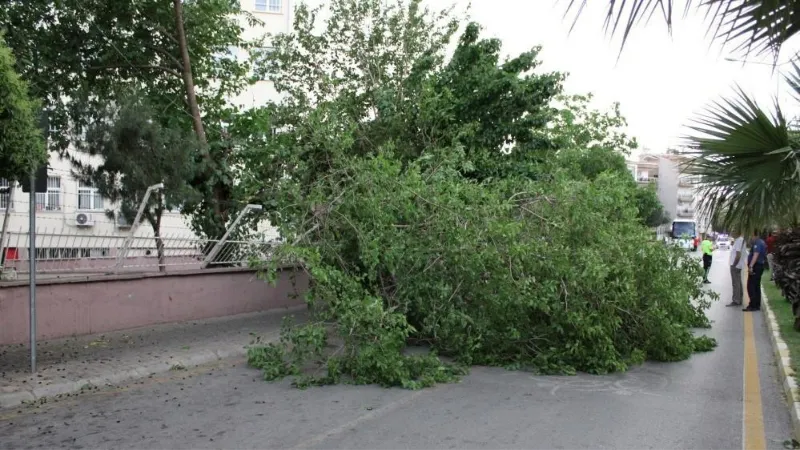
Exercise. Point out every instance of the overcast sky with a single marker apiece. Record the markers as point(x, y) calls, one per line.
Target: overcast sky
point(660, 81)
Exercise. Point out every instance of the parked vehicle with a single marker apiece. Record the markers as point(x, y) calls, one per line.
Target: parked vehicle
point(723, 242)
point(684, 234)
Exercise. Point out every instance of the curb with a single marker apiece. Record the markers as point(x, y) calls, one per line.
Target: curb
point(783, 361)
point(113, 378)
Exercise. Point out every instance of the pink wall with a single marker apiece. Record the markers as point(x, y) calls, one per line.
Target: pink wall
point(117, 302)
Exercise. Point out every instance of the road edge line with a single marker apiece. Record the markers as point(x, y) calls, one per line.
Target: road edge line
point(783, 361)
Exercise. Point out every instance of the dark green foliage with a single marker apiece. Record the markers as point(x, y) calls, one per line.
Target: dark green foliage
point(138, 152)
point(650, 209)
point(21, 145)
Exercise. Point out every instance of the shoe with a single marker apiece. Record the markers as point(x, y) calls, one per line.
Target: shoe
point(733, 304)
point(706, 282)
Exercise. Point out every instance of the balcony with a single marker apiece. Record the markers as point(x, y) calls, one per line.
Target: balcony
point(686, 182)
point(686, 197)
point(686, 211)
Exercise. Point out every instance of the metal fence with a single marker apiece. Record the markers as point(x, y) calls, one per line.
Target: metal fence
point(59, 253)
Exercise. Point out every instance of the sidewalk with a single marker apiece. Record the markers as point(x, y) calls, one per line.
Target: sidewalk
point(67, 366)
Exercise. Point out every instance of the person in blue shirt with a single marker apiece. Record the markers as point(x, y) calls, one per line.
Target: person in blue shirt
point(755, 268)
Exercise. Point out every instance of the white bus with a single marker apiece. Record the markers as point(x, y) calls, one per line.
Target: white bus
point(684, 234)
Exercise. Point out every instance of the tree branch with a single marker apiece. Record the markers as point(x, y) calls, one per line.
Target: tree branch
point(165, 54)
point(164, 69)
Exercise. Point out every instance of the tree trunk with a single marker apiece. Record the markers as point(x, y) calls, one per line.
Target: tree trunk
point(162, 263)
point(155, 222)
point(188, 78)
point(194, 110)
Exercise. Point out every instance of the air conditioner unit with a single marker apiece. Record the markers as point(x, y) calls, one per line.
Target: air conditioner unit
point(84, 220)
point(122, 222)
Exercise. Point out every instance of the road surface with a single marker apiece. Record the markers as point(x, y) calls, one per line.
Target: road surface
point(701, 403)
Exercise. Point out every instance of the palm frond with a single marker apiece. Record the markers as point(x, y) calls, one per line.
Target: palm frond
point(747, 162)
point(751, 26)
point(755, 26)
point(793, 79)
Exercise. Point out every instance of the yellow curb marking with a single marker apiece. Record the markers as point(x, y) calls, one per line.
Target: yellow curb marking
point(753, 415)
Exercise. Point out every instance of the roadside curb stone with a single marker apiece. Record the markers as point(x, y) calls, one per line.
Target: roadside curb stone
point(783, 361)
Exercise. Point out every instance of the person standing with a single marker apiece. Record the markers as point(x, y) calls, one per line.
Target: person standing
point(736, 261)
point(755, 268)
point(708, 249)
point(770, 255)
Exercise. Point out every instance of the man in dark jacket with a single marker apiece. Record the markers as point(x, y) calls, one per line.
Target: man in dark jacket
point(755, 268)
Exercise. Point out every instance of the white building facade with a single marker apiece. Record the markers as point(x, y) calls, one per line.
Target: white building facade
point(677, 191)
point(71, 207)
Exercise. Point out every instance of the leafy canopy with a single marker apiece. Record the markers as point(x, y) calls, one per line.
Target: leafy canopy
point(21, 144)
point(138, 152)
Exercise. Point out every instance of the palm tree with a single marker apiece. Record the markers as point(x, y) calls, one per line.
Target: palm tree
point(751, 26)
point(748, 158)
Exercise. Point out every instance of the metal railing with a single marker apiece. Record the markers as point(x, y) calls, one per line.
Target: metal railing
point(62, 252)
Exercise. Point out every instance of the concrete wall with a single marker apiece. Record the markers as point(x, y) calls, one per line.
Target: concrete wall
point(109, 303)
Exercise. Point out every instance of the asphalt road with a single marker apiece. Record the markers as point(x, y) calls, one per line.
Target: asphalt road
point(700, 403)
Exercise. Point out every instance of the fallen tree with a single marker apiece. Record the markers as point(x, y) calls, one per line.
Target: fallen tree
point(556, 276)
point(435, 205)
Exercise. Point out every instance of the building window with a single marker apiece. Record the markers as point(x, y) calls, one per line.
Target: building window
point(58, 253)
point(5, 193)
point(50, 200)
point(273, 6)
point(89, 197)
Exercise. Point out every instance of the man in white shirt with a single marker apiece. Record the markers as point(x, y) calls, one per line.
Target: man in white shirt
point(736, 261)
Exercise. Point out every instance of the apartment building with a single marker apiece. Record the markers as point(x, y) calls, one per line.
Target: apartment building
point(73, 208)
point(676, 190)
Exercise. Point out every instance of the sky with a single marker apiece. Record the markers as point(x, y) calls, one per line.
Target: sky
point(660, 81)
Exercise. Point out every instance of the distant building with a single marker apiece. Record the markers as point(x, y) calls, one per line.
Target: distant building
point(677, 191)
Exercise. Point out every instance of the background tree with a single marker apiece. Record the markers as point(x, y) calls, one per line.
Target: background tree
point(138, 152)
point(592, 142)
point(21, 144)
point(78, 54)
point(579, 126)
point(401, 90)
